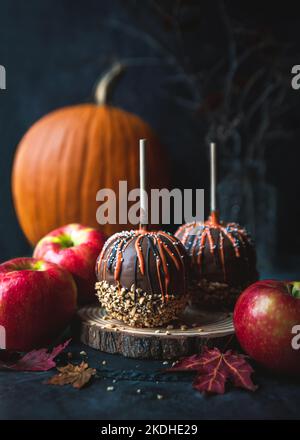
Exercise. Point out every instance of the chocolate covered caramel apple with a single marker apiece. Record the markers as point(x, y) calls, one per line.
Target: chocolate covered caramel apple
point(142, 277)
point(222, 255)
point(222, 258)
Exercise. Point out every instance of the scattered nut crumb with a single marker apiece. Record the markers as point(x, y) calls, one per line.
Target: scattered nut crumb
point(110, 388)
point(165, 363)
point(114, 380)
point(83, 353)
point(167, 333)
point(159, 396)
point(200, 330)
point(138, 391)
point(183, 327)
point(157, 331)
point(103, 362)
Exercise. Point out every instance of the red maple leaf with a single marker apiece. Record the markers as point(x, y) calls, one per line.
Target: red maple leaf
point(36, 360)
point(214, 369)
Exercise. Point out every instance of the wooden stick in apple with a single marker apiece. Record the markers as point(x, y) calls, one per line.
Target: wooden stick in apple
point(143, 185)
point(213, 183)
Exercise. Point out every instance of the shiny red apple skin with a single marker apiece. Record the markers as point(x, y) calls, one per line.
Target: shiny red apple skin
point(37, 302)
point(79, 258)
point(264, 316)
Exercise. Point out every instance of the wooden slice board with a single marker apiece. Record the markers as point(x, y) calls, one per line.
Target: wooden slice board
point(112, 336)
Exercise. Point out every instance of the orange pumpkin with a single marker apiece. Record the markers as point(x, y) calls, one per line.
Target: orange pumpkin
point(70, 154)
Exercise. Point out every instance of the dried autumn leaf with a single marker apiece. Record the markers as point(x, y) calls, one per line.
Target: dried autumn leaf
point(36, 360)
point(215, 369)
point(77, 375)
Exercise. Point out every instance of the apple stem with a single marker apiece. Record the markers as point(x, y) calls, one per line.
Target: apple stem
point(296, 289)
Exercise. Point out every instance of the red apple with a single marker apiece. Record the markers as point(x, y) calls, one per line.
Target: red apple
point(75, 248)
point(37, 301)
point(264, 318)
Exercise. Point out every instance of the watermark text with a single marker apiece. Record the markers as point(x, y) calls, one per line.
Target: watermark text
point(162, 206)
point(2, 78)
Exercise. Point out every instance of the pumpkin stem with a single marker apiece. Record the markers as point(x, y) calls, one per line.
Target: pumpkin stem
point(104, 85)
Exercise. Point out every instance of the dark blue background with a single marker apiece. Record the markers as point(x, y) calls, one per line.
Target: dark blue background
point(54, 51)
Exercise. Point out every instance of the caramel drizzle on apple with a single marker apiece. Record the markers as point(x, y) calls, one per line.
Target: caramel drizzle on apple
point(236, 235)
point(138, 248)
point(162, 245)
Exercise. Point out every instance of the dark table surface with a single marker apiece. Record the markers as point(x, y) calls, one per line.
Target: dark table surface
point(24, 395)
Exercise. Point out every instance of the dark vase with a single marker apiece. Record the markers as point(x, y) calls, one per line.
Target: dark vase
point(246, 198)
